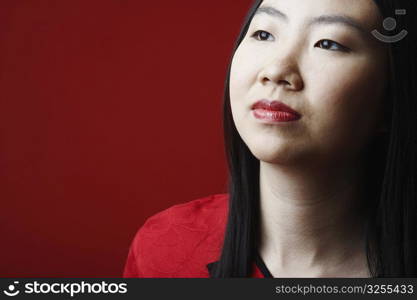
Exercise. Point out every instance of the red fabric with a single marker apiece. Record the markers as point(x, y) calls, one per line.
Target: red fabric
point(180, 241)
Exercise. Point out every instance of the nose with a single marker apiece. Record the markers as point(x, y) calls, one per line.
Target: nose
point(283, 71)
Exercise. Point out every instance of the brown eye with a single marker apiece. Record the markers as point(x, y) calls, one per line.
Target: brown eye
point(331, 45)
point(261, 35)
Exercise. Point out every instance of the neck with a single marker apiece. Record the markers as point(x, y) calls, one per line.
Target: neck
point(311, 218)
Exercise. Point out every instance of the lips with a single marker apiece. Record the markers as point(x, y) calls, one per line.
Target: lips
point(274, 111)
point(274, 106)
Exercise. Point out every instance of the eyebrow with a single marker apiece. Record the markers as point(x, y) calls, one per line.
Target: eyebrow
point(324, 19)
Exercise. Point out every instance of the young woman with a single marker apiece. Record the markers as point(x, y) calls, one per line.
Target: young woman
point(320, 118)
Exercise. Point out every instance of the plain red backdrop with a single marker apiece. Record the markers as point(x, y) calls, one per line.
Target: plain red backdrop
point(110, 112)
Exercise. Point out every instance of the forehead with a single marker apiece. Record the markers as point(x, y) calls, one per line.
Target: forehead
point(364, 12)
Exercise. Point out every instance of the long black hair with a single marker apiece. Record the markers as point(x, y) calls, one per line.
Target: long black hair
point(391, 170)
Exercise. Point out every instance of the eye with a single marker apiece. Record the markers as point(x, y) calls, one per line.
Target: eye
point(261, 35)
point(331, 45)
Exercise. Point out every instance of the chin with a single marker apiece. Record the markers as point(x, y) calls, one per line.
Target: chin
point(285, 154)
point(274, 156)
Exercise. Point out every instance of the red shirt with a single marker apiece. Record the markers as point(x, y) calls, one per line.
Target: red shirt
point(182, 241)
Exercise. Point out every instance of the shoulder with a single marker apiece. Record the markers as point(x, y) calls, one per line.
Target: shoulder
point(199, 213)
point(180, 240)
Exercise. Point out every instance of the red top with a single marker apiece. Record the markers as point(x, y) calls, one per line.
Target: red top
point(182, 240)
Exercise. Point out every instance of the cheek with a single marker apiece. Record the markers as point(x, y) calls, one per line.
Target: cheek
point(345, 102)
point(241, 74)
point(246, 64)
point(351, 90)
point(240, 82)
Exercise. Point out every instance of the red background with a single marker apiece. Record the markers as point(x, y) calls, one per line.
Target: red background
point(110, 112)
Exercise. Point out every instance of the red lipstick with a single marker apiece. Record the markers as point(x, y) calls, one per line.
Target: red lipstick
point(274, 111)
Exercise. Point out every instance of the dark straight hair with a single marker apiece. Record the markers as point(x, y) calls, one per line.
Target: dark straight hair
point(391, 169)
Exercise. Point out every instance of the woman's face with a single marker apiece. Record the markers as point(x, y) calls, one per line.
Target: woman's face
point(303, 54)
